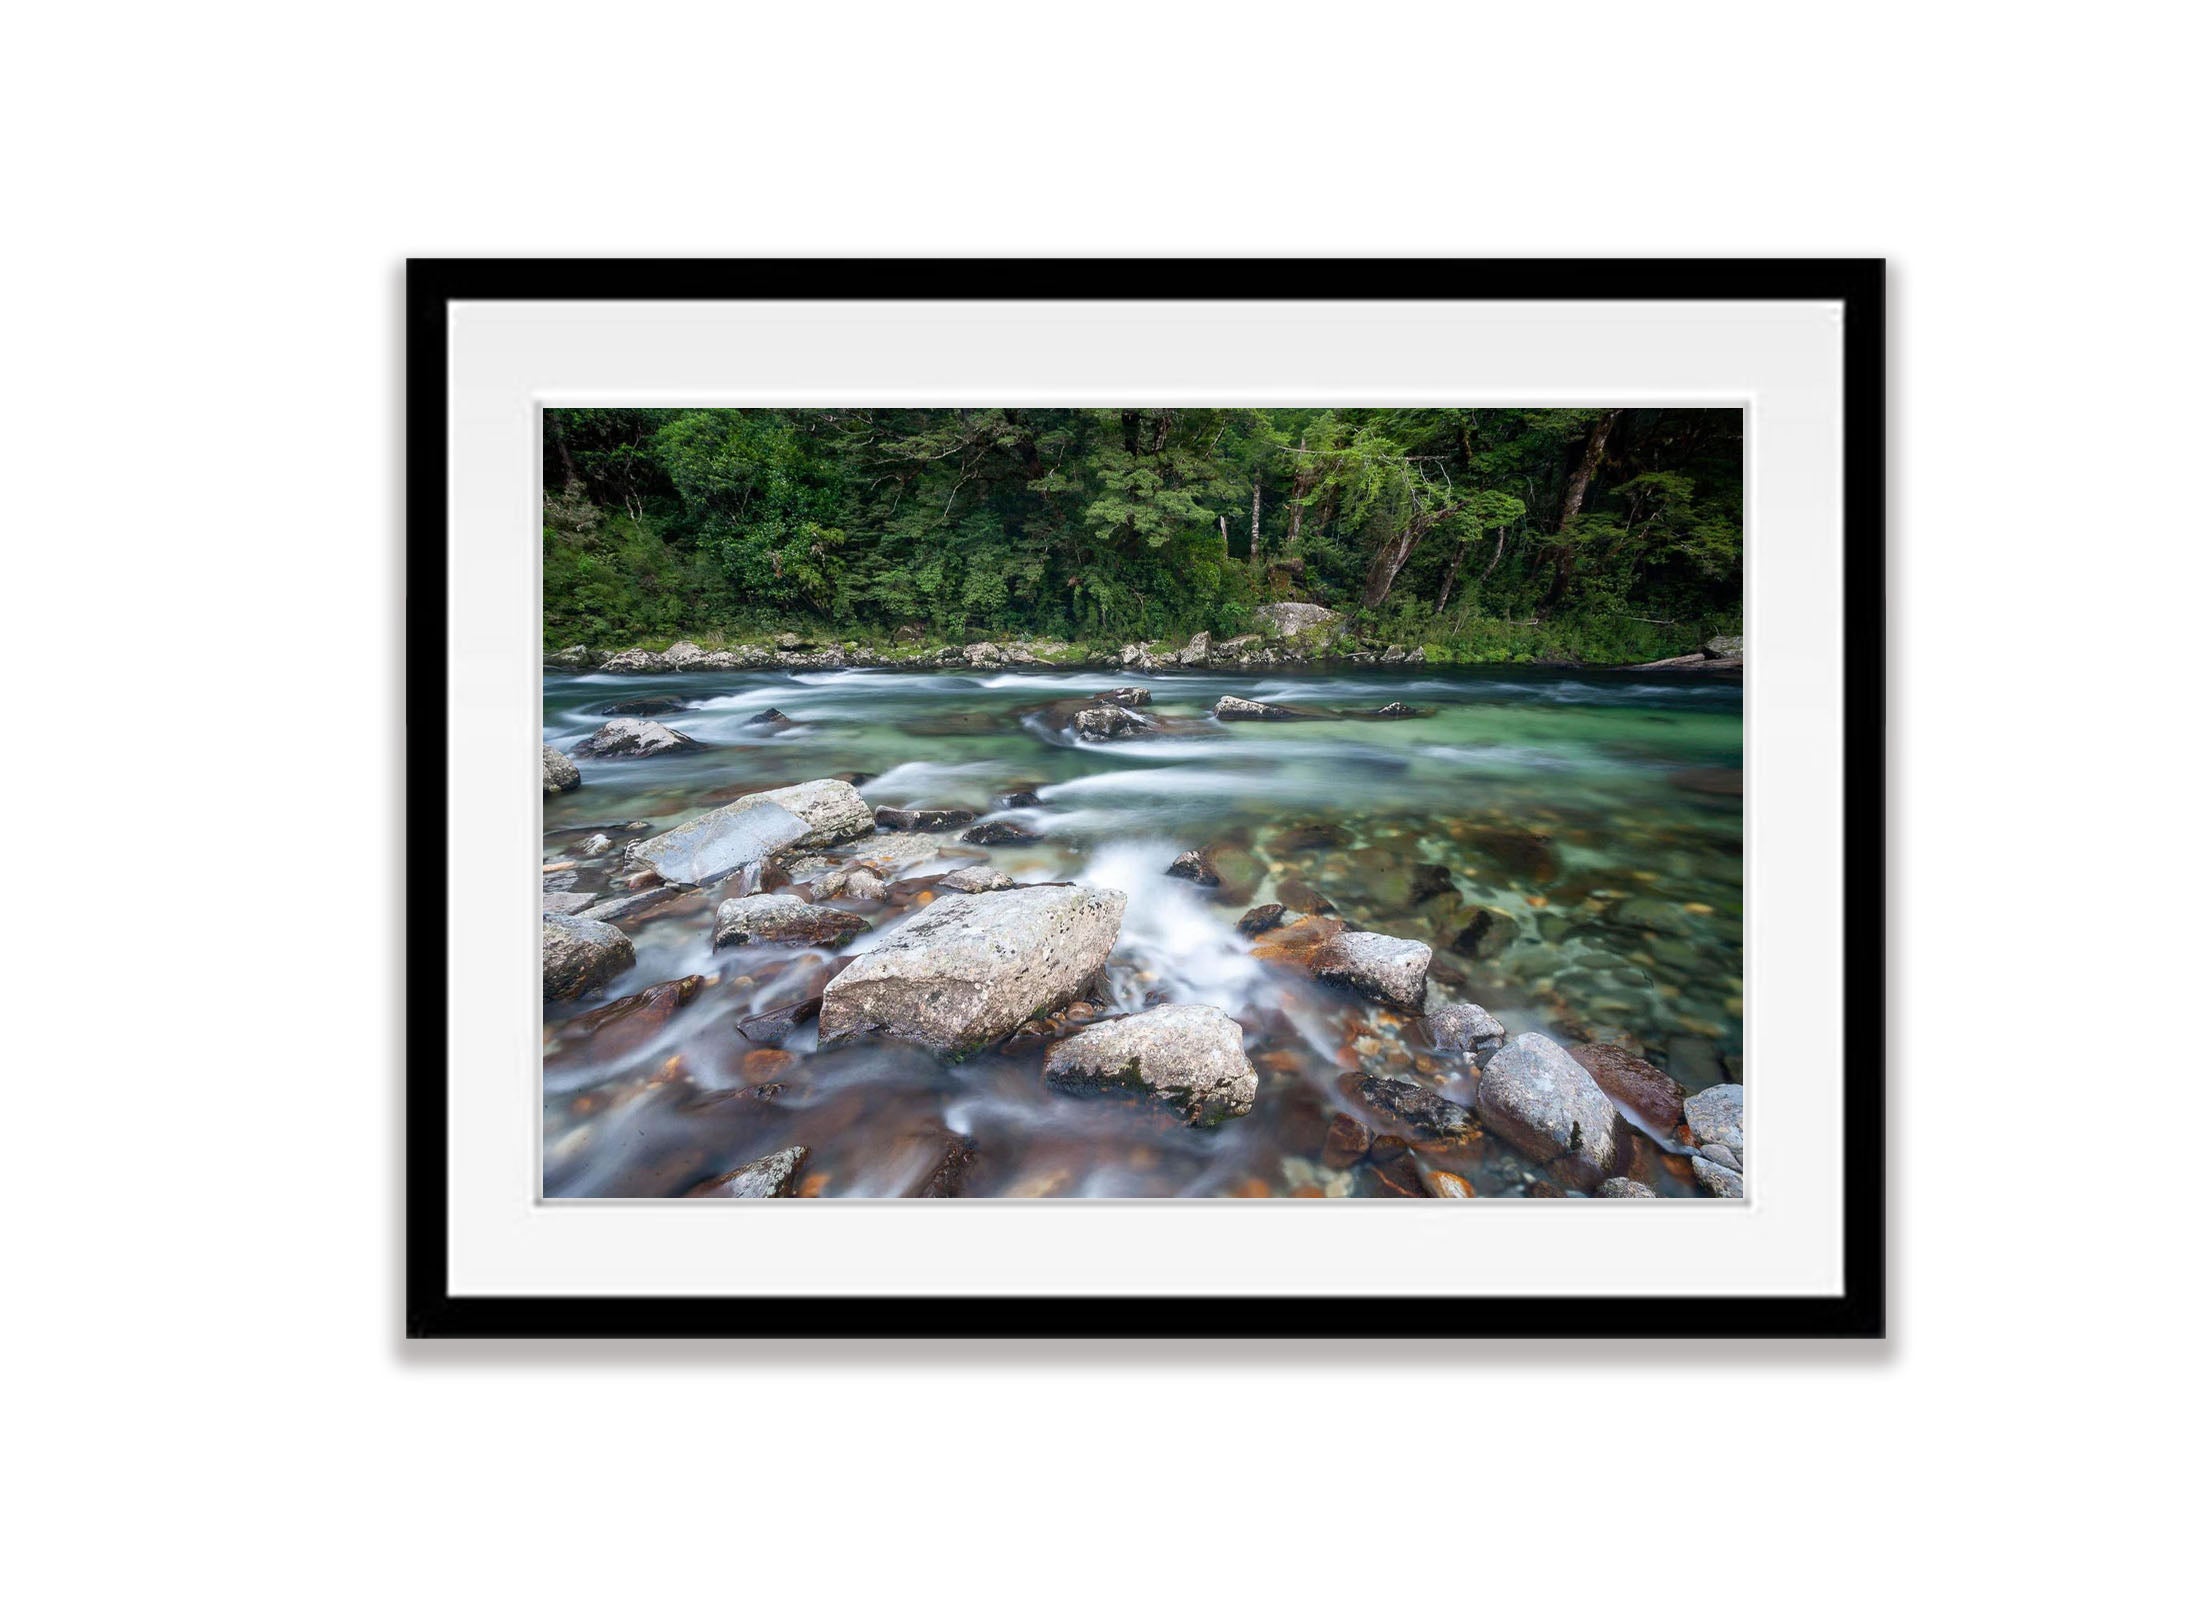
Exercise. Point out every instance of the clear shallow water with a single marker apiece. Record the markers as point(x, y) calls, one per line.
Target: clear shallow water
point(1589, 824)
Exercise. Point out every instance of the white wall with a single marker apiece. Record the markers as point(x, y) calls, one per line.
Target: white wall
point(208, 207)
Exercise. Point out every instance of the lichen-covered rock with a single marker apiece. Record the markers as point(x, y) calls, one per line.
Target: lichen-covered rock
point(754, 828)
point(1463, 1029)
point(782, 919)
point(772, 1178)
point(965, 970)
point(635, 661)
point(1290, 618)
point(1543, 1102)
point(572, 657)
point(1726, 647)
point(921, 819)
point(1188, 1059)
point(1632, 1083)
point(580, 954)
point(1715, 1117)
point(1232, 708)
point(1133, 695)
point(569, 902)
point(1624, 1189)
point(1101, 723)
point(1377, 965)
point(558, 774)
point(977, 880)
point(1722, 1181)
point(623, 737)
point(1195, 654)
point(1409, 1104)
point(683, 655)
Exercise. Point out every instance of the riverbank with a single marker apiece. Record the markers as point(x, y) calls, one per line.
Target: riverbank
point(1289, 635)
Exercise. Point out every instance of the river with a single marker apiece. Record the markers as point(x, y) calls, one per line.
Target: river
point(1568, 841)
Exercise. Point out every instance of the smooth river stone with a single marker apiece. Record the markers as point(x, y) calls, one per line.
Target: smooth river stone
point(754, 828)
point(579, 955)
point(1542, 1101)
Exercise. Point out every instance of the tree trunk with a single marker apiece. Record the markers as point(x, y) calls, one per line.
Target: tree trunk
point(1592, 457)
point(1252, 553)
point(1496, 556)
point(1223, 523)
point(1451, 576)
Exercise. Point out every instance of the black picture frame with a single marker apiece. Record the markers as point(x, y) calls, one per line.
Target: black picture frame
point(432, 1311)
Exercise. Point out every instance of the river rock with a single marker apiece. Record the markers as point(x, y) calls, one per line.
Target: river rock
point(1231, 708)
point(999, 833)
point(558, 774)
point(1624, 1189)
point(648, 705)
point(922, 819)
point(754, 828)
point(1260, 919)
point(1725, 647)
point(1484, 932)
point(1194, 867)
point(633, 736)
point(1377, 965)
point(570, 902)
point(1723, 1181)
point(1348, 1141)
point(1629, 1081)
point(1403, 1101)
point(1137, 658)
point(1715, 1117)
point(1101, 723)
point(1021, 800)
point(977, 880)
point(1464, 1029)
point(683, 655)
point(772, 1178)
point(634, 661)
point(1395, 1174)
point(1188, 1059)
point(1396, 708)
point(1134, 695)
point(580, 954)
point(1543, 1102)
point(770, 717)
point(965, 970)
point(572, 657)
point(1290, 618)
point(782, 919)
point(1196, 653)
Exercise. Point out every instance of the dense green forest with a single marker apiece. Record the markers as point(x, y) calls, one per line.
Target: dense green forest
point(1481, 534)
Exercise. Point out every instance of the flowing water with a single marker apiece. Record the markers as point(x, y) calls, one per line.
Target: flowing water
point(1569, 842)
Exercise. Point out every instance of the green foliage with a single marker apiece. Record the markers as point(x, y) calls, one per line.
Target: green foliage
point(1444, 527)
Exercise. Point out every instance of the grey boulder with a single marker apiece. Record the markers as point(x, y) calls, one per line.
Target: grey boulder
point(1393, 970)
point(1100, 723)
point(633, 736)
point(1625, 1189)
point(1291, 618)
point(782, 919)
point(558, 773)
point(1232, 708)
point(1715, 1117)
point(1463, 1029)
point(1723, 1181)
point(754, 828)
point(580, 954)
point(1188, 1059)
point(977, 880)
point(1543, 1102)
point(967, 969)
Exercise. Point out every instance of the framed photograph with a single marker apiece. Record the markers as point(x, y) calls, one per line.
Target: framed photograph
point(1064, 785)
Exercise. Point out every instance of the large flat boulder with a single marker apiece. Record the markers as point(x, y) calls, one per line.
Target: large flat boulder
point(1190, 1060)
point(967, 969)
point(580, 954)
point(1235, 708)
point(1290, 618)
point(1383, 968)
point(754, 828)
point(1543, 1102)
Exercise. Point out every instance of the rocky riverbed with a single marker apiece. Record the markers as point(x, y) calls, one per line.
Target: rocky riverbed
point(1234, 928)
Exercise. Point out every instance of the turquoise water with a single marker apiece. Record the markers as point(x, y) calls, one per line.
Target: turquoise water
point(1568, 842)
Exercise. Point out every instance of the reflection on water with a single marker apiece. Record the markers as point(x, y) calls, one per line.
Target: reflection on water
point(1568, 842)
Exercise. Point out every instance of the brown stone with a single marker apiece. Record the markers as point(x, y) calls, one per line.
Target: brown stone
point(1348, 1141)
point(1449, 1185)
point(1633, 1084)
